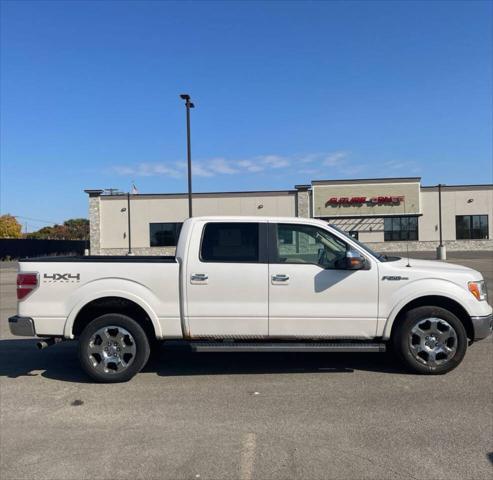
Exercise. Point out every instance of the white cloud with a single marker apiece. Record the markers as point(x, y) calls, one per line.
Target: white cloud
point(315, 164)
point(395, 164)
point(331, 159)
point(310, 158)
point(274, 161)
point(311, 171)
point(147, 170)
point(404, 167)
point(200, 171)
point(250, 166)
point(222, 166)
point(121, 170)
point(335, 159)
point(399, 164)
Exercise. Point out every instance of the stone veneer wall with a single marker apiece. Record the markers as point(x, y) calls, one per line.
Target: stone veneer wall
point(95, 224)
point(452, 245)
point(303, 204)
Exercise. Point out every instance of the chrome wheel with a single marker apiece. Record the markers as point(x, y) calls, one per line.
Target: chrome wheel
point(433, 341)
point(111, 349)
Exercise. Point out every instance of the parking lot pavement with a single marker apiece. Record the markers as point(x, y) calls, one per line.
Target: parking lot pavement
point(248, 416)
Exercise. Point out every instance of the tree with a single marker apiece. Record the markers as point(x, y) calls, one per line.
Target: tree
point(10, 227)
point(54, 232)
point(73, 229)
point(77, 228)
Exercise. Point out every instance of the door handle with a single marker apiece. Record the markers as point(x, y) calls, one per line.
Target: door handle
point(199, 278)
point(280, 278)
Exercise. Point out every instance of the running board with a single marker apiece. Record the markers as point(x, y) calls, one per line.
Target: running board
point(286, 347)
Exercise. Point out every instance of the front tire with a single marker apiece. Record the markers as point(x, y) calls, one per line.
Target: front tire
point(430, 340)
point(113, 348)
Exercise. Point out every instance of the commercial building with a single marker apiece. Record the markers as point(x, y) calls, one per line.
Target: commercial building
point(390, 214)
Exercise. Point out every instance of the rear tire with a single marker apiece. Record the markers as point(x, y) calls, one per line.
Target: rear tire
point(113, 348)
point(430, 340)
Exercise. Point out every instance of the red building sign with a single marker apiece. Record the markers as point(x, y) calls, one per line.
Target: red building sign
point(378, 200)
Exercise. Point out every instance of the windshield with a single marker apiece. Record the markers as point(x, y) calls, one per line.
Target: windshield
point(381, 257)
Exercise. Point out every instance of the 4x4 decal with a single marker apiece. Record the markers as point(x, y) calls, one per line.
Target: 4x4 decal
point(62, 277)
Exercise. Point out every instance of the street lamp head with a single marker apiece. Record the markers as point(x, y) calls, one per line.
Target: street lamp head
point(184, 96)
point(191, 105)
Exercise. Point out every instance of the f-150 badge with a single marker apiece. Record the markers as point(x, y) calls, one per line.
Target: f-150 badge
point(394, 277)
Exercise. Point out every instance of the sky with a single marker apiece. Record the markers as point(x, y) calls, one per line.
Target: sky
point(285, 92)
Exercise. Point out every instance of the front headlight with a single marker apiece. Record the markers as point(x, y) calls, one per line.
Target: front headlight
point(478, 289)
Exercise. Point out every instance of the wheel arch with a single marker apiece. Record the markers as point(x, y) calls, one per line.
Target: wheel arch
point(447, 303)
point(112, 302)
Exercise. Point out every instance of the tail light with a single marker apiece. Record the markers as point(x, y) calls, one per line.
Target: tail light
point(26, 283)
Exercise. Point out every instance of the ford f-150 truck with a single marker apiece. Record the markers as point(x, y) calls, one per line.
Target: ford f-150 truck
point(253, 284)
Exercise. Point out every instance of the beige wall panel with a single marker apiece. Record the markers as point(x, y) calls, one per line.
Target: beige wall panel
point(454, 202)
point(113, 223)
point(428, 222)
point(148, 209)
point(205, 206)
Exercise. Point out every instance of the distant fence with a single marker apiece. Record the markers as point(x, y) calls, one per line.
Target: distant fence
point(12, 248)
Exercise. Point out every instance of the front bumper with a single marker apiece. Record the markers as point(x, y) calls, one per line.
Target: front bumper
point(482, 326)
point(22, 326)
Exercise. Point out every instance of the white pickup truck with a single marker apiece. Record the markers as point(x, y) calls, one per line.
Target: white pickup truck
point(253, 284)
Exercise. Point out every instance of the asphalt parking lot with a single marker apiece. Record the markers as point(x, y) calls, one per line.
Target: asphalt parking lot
point(247, 416)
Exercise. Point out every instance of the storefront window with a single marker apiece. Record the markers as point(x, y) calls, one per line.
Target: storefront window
point(164, 234)
point(469, 227)
point(400, 228)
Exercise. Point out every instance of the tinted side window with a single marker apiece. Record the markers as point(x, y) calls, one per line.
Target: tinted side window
point(230, 242)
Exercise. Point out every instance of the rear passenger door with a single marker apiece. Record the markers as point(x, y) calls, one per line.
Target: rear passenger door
point(227, 280)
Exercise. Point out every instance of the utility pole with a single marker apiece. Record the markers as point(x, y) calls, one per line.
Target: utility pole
point(188, 105)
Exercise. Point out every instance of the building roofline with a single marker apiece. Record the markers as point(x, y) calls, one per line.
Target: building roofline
point(94, 193)
point(100, 192)
point(368, 180)
point(444, 187)
point(199, 194)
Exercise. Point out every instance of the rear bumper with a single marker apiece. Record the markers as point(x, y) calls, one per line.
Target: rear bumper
point(482, 326)
point(22, 326)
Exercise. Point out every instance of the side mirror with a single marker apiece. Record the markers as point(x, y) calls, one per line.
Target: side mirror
point(352, 261)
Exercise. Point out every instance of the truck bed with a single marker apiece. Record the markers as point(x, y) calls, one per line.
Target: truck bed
point(66, 284)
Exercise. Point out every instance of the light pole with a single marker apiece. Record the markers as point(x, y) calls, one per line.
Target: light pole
point(441, 250)
point(129, 231)
point(188, 105)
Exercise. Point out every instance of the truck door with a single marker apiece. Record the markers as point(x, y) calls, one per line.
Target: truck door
point(309, 296)
point(227, 280)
